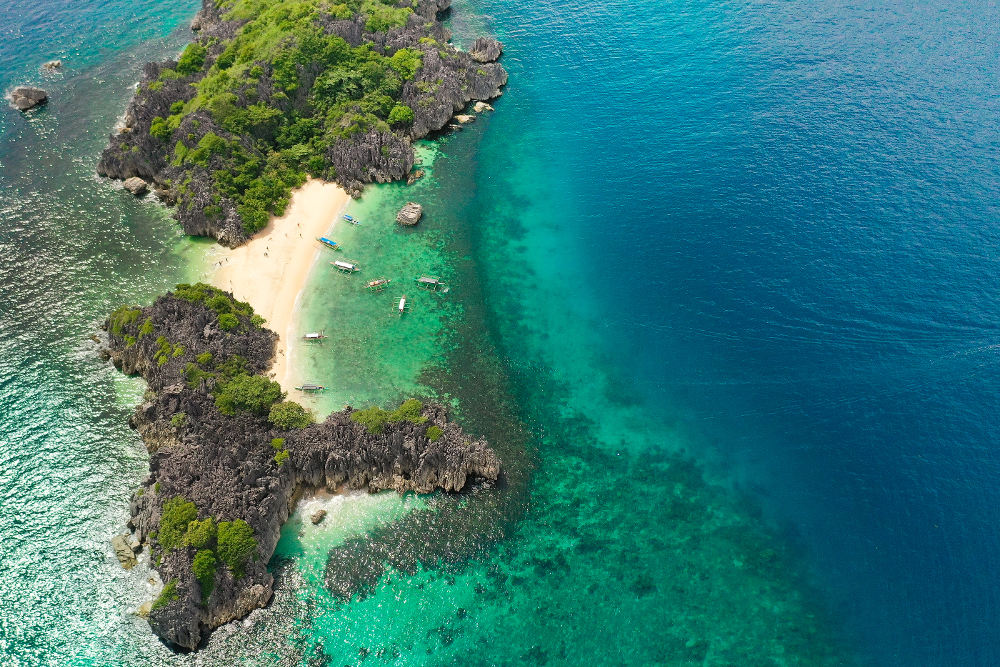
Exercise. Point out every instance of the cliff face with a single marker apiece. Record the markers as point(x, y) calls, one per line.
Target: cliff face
point(352, 152)
point(231, 467)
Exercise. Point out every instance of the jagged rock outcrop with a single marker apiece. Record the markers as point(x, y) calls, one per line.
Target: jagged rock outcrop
point(242, 467)
point(24, 98)
point(444, 84)
point(52, 65)
point(410, 214)
point(486, 50)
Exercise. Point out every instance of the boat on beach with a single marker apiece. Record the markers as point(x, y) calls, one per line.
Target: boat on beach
point(310, 387)
point(332, 245)
point(377, 285)
point(346, 266)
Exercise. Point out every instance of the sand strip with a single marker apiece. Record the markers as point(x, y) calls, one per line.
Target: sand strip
point(270, 271)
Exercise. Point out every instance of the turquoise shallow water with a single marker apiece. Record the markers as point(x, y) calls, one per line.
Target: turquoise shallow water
point(747, 242)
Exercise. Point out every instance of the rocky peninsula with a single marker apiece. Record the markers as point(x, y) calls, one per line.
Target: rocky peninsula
point(229, 456)
point(269, 95)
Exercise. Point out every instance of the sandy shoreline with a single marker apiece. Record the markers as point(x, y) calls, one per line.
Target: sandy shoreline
point(270, 271)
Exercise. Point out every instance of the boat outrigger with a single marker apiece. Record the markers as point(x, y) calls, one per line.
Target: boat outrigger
point(314, 335)
point(332, 245)
point(351, 219)
point(432, 283)
point(346, 266)
point(377, 285)
point(403, 306)
point(311, 387)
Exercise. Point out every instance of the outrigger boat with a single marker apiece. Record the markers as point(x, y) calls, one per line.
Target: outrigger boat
point(432, 283)
point(346, 266)
point(311, 387)
point(403, 306)
point(377, 285)
point(314, 335)
point(332, 245)
point(351, 219)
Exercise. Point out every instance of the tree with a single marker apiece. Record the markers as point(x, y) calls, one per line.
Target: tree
point(236, 544)
point(289, 415)
point(177, 514)
point(204, 566)
point(248, 393)
point(401, 115)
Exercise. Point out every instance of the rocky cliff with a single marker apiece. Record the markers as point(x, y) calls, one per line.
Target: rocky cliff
point(311, 109)
point(225, 471)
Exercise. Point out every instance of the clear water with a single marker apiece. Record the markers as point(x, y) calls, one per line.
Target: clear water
point(758, 234)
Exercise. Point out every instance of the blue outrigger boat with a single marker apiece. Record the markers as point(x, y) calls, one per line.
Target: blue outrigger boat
point(332, 245)
point(351, 219)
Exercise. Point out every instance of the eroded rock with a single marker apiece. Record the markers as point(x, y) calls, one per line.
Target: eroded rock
point(24, 98)
point(410, 214)
point(136, 186)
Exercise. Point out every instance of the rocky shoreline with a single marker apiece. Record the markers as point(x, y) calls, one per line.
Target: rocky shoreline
point(165, 123)
point(228, 459)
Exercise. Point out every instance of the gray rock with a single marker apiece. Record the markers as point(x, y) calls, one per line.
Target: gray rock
point(196, 22)
point(410, 214)
point(136, 186)
point(52, 65)
point(123, 550)
point(317, 516)
point(486, 50)
point(226, 465)
point(24, 98)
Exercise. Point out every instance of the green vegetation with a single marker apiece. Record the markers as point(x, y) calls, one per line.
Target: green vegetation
point(375, 418)
point(178, 420)
point(281, 457)
point(248, 393)
point(228, 321)
point(146, 328)
point(434, 433)
point(289, 415)
point(122, 318)
point(166, 596)
point(177, 514)
point(278, 117)
point(200, 534)
point(236, 545)
point(205, 358)
point(166, 350)
point(204, 566)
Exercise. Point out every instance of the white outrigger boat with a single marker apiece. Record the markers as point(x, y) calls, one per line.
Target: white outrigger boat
point(345, 266)
point(403, 306)
point(311, 387)
point(432, 284)
point(314, 335)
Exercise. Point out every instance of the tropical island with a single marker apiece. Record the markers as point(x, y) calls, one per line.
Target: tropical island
point(229, 456)
point(272, 93)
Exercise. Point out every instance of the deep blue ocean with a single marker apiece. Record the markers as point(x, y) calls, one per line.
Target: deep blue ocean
point(760, 235)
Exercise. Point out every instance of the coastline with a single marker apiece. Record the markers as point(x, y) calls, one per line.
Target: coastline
point(271, 270)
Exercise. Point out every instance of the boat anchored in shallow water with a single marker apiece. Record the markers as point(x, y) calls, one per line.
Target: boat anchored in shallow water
point(314, 335)
point(403, 306)
point(351, 219)
point(332, 245)
point(346, 266)
point(432, 284)
point(377, 285)
point(310, 387)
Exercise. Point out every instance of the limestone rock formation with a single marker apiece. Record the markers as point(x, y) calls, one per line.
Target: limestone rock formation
point(123, 551)
point(241, 467)
point(480, 107)
point(24, 98)
point(486, 50)
point(410, 214)
point(136, 186)
point(317, 516)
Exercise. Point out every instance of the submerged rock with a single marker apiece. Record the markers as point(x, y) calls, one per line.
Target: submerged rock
point(52, 65)
point(410, 214)
point(24, 98)
point(136, 186)
point(414, 176)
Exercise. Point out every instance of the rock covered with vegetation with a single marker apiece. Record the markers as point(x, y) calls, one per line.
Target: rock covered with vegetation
point(273, 92)
point(229, 454)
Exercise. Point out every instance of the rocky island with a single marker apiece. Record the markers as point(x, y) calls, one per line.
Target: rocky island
point(229, 456)
point(270, 94)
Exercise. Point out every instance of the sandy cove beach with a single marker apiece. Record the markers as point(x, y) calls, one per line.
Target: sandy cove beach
point(270, 271)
